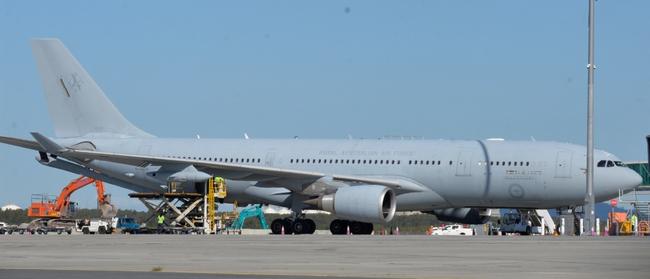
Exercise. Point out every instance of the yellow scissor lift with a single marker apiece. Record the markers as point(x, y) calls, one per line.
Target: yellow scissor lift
point(216, 189)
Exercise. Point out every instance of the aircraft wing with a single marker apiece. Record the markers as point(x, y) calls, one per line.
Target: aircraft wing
point(234, 171)
point(226, 170)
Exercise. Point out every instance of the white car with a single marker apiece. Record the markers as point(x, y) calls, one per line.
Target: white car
point(452, 230)
point(519, 224)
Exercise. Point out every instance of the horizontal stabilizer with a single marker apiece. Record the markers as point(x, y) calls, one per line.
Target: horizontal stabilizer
point(22, 143)
point(49, 145)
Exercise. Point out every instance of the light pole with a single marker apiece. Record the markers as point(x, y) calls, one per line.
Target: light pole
point(590, 202)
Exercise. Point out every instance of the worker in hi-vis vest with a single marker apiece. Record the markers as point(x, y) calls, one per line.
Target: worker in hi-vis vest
point(633, 221)
point(161, 222)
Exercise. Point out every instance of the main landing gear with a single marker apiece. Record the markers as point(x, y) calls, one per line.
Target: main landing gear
point(295, 226)
point(341, 227)
point(302, 225)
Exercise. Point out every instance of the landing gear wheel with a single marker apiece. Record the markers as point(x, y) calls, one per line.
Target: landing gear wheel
point(300, 226)
point(368, 228)
point(358, 228)
point(339, 226)
point(276, 226)
point(288, 226)
point(311, 226)
point(101, 230)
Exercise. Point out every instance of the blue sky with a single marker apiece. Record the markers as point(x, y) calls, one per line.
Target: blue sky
point(329, 69)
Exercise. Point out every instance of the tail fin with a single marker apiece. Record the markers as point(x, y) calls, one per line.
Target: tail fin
point(77, 106)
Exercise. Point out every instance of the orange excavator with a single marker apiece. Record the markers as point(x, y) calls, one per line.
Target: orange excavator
point(47, 208)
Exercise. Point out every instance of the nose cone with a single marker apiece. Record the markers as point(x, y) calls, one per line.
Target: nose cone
point(631, 180)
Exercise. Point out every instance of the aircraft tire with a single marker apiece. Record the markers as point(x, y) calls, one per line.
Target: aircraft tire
point(339, 227)
point(276, 226)
point(288, 226)
point(311, 225)
point(368, 228)
point(299, 226)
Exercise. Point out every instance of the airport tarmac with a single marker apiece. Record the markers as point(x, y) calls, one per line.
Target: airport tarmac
point(236, 256)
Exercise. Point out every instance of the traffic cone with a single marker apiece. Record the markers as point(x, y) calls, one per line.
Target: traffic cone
point(282, 230)
point(397, 230)
point(348, 231)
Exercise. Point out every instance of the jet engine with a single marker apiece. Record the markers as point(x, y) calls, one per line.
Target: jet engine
point(463, 215)
point(366, 203)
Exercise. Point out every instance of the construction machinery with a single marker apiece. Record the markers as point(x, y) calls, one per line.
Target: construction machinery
point(251, 211)
point(52, 212)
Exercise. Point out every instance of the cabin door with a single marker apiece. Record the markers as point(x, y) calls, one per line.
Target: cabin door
point(464, 163)
point(563, 164)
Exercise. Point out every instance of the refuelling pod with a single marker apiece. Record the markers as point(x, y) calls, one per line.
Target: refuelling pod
point(188, 180)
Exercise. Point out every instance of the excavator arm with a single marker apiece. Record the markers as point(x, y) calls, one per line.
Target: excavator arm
point(48, 209)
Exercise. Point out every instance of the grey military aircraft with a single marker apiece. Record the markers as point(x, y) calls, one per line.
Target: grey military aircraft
point(360, 181)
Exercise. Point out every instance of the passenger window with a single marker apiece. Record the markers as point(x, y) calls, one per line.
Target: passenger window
point(527, 163)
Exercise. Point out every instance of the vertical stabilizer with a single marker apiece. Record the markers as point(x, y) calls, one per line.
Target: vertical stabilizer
point(77, 106)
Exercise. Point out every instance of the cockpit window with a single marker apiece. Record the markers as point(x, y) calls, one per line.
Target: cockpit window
point(619, 163)
point(602, 163)
point(610, 164)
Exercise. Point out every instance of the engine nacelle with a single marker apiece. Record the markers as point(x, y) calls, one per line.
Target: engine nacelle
point(367, 203)
point(463, 215)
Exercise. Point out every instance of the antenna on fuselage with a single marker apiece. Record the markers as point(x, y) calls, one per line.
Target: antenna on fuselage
point(246, 136)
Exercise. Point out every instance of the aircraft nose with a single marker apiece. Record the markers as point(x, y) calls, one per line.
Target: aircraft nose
point(631, 180)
